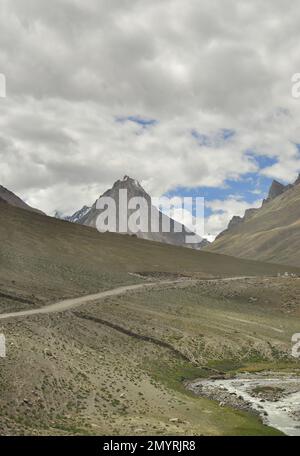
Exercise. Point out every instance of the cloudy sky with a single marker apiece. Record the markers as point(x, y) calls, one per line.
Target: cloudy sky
point(189, 97)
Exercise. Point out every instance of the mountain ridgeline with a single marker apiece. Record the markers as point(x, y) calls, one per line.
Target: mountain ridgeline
point(177, 234)
point(6, 196)
point(270, 233)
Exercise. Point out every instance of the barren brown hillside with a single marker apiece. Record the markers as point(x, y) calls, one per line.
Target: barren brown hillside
point(271, 233)
point(43, 258)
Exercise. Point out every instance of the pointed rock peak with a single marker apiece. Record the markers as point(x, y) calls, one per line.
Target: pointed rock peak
point(236, 220)
point(276, 189)
point(129, 180)
point(129, 183)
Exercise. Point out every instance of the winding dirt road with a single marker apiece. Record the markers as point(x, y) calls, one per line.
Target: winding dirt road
point(67, 304)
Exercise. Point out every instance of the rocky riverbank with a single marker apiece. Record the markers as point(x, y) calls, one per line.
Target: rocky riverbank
point(273, 397)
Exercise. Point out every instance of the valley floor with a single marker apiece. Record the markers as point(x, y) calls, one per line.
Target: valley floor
point(118, 365)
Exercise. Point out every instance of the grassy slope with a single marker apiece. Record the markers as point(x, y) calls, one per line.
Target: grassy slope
point(272, 234)
point(65, 374)
point(75, 375)
point(214, 320)
point(44, 259)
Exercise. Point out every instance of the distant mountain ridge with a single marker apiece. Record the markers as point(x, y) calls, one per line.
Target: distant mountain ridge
point(269, 233)
point(9, 197)
point(177, 235)
point(76, 217)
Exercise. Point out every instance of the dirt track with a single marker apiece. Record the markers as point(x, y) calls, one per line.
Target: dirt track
point(68, 304)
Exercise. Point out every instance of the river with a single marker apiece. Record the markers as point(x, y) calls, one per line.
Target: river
point(274, 397)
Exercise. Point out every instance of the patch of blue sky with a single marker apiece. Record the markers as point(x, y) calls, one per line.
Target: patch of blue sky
point(263, 161)
point(227, 133)
point(208, 193)
point(250, 188)
point(203, 140)
point(141, 121)
point(218, 137)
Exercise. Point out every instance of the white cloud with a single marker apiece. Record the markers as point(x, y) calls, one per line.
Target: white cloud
point(222, 213)
point(73, 67)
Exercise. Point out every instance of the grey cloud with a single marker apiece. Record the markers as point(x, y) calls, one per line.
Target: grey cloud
point(72, 67)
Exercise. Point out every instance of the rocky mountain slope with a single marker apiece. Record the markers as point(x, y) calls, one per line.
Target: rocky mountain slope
point(176, 236)
point(76, 217)
point(44, 259)
point(270, 233)
point(118, 364)
point(6, 196)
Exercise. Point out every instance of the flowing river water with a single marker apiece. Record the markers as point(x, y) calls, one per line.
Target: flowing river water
point(275, 398)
